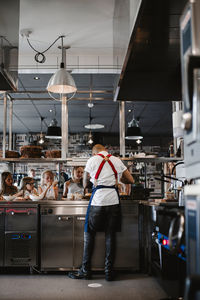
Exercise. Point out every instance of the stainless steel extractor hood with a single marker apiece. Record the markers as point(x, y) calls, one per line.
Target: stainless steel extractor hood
point(9, 42)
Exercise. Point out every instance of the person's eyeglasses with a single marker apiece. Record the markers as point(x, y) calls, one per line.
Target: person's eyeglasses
point(31, 183)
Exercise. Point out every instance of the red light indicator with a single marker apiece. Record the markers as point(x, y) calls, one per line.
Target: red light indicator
point(165, 242)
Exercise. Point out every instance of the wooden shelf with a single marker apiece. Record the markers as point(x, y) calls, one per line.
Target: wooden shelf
point(71, 161)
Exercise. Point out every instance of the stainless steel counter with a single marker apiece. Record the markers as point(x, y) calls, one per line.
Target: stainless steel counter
point(60, 234)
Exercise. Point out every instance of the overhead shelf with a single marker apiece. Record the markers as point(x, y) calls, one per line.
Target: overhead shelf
point(83, 160)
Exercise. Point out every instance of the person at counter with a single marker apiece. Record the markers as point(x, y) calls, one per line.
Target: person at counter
point(75, 184)
point(27, 188)
point(31, 173)
point(48, 187)
point(7, 187)
point(103, 213)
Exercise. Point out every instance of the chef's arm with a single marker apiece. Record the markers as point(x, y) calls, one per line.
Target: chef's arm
point(127, 177)
point(86, 179)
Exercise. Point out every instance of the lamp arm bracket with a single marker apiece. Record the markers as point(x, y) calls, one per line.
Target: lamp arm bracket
point(56, 99)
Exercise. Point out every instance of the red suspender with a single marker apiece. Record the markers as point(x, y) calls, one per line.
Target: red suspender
point(105, 158)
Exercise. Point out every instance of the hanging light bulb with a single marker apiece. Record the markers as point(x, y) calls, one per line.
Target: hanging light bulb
point(61, 82)
point(90, 141)
point(90, 104)
point(41, 140)
point(138, 141)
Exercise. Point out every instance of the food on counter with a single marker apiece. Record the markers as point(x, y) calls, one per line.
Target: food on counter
point(19, 199)
point(36, 198)
point(31, 151)
point(10, 154)
point(78, 196)
point(9, 197)
point(74, 196)
point(53, 154)
point(88, 194)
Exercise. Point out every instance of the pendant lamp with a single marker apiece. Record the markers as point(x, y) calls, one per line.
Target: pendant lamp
point(53, 131)
point(61, 82)
point(133, 130)
point(93, 125)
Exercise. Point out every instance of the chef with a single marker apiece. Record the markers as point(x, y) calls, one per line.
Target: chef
point(103, 212)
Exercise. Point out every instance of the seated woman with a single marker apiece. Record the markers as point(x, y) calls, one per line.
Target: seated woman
point(7, 187)
point(48, 186)
point(27, 188)
point(74, 185)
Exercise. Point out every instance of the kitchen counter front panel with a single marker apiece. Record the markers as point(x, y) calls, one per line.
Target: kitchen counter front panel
point(60, 232)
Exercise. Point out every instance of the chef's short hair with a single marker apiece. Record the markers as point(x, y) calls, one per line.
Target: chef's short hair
point(98, 148)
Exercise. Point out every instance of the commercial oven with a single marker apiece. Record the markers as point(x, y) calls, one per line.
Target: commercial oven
point(190, 61)
point(21, 225)
point(168, 254)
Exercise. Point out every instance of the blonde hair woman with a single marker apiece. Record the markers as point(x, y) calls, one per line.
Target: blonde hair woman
point(48, 185)
point(74, 185)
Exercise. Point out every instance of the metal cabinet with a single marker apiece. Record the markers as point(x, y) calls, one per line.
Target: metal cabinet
point(99, 247)
point(79, 222)
point(56, 238)
point(127, 246)
point(21, 236)
point(1, 236)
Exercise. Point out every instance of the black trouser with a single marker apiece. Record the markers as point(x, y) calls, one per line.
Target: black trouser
point(89, 238)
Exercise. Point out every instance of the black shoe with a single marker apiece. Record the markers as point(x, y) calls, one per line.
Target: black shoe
point(79, 275)
point(109, 276)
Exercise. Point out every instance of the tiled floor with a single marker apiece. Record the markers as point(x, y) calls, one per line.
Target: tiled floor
point(60, 287)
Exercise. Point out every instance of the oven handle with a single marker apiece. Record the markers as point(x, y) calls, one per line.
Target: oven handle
point(178, 236)
point(12, 213)
point(80, 218)
point(64, 218)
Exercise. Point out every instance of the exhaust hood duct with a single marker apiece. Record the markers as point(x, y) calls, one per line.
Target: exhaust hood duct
point(9, 42)
point(7, 83)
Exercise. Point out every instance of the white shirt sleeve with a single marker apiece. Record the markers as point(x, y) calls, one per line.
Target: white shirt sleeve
point(88, 166)
point(120, 167)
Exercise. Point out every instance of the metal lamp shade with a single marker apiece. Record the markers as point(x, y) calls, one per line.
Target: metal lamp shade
point(134, 133)
point(62, 83)
point(53, 132)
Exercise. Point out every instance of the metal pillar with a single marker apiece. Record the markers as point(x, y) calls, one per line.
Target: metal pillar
point(64, 141)
point(10, 125)
point(122, 127)
point(4, 125)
